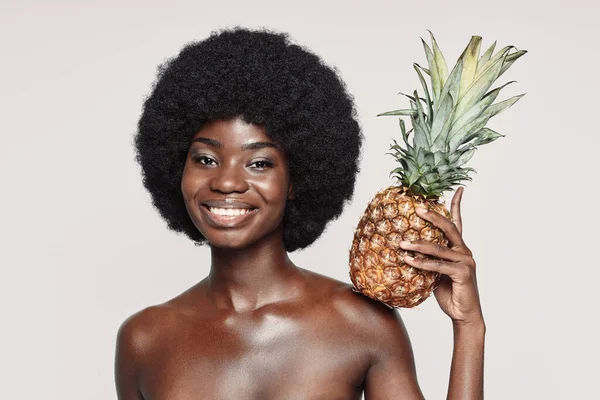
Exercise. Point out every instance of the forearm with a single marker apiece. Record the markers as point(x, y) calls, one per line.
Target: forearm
point(466, 373)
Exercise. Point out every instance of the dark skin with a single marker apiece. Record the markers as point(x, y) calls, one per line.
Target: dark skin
point(260, 327)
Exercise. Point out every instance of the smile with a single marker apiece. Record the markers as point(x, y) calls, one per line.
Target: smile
point(227, 217)
point(228, 211)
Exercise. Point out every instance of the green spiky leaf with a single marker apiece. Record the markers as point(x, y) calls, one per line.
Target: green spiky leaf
point(448, 120)
point(406, 113)
point(510, 59)
point(425, 89)
point(439, 60)
point(486, 56)
point(469, 57)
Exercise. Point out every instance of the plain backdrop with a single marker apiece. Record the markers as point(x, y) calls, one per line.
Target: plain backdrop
point(82, 248)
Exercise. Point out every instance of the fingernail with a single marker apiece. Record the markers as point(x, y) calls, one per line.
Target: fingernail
point(404, 243)
point(422, 210)
point(409, 258)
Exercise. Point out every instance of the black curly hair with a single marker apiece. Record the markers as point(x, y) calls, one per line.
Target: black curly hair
point(263, 77)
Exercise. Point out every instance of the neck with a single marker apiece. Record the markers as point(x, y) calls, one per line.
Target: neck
point(249, 278)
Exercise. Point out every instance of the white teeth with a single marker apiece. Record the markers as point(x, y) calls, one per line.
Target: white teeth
point(228, 211)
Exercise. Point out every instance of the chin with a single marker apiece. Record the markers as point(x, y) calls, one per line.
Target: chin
point(230, 240)
point(240, 241)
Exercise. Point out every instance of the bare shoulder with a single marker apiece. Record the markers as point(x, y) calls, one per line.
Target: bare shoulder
point(371, 317)
point(148, 326)
point(140, 330)
point(382, 335)
point(135, 339)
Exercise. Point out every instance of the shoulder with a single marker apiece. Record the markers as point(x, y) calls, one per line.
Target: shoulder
point(372, 318)
point(134, 338)
point(382, 335)
point(143, 328)
point(137, 330)
point(144, 321)
point(140, 331)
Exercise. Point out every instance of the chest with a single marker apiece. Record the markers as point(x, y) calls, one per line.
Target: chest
point(256, 357)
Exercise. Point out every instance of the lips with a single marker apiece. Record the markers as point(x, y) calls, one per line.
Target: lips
point(227, 203)
point(227, 213)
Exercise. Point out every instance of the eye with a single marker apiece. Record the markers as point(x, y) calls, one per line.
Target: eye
point(203, 160)
point(261, 164)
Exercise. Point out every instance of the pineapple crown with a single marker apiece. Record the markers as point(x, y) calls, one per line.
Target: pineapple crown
point(449, 122)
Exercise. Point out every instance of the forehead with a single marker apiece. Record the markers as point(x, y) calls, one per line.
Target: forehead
point(233, 132)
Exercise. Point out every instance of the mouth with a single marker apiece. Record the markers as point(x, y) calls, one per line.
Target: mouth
point(227, 217)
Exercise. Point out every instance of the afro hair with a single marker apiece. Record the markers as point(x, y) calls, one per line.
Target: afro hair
point(266, 79)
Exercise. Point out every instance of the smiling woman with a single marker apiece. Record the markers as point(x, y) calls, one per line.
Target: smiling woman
point(268, 81)
point(249, 143)
point(235, 184)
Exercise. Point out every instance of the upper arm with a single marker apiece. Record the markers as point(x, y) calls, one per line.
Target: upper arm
point(127, 360)
point(392, 374)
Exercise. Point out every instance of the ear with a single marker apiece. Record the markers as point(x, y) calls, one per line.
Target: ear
point(291, 193)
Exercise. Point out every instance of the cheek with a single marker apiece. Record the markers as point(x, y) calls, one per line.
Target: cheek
point(188, 185)
point(273, 190)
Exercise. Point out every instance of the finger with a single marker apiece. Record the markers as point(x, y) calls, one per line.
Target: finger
point(435, 250)
point(447, 226)
point(458, 272)
point(455, 208)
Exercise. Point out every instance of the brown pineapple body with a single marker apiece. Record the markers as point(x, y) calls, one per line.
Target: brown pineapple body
point(377, 269)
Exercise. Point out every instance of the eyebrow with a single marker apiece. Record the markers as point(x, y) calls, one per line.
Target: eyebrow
point(246, 146)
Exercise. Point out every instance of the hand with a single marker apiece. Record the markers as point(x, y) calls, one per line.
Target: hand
point(457, 292)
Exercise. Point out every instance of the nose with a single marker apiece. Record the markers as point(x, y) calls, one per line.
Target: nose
point(229, 179)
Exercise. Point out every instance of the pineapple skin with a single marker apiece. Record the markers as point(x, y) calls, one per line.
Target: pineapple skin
point(376, 262)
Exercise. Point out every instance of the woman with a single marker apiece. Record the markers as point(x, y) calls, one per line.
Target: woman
point(249, 143)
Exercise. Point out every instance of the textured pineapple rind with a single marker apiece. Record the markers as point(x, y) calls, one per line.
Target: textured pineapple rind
point(376, 262)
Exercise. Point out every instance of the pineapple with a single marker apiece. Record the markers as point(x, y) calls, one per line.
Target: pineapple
point(448, 124)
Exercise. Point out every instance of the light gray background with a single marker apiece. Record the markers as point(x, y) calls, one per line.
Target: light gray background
point(82, 247)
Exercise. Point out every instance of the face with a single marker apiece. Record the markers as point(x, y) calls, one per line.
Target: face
point(235, 184)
